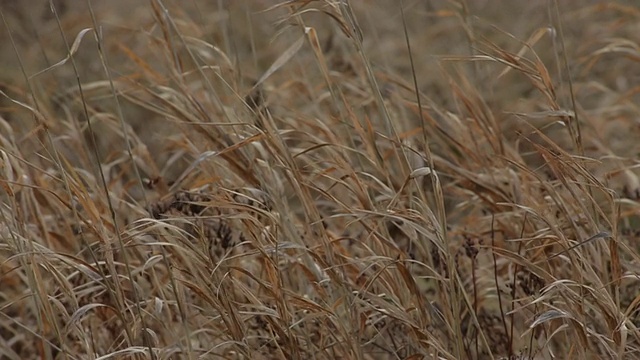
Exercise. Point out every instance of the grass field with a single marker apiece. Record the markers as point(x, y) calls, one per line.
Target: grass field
point(270, 179)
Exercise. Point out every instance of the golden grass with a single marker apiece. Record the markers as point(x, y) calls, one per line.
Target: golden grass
point(319, 180)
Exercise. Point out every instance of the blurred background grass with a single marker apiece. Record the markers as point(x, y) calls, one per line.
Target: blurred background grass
point(598, 40)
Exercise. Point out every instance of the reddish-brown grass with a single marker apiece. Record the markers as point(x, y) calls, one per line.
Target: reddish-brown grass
point(319, 180)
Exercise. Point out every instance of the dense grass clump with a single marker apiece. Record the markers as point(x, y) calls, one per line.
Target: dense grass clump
point(319, 179)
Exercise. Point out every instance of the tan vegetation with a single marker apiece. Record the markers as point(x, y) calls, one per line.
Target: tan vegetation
point(319, 179)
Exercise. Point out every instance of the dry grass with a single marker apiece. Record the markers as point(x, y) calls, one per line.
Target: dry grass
point(319, 180)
